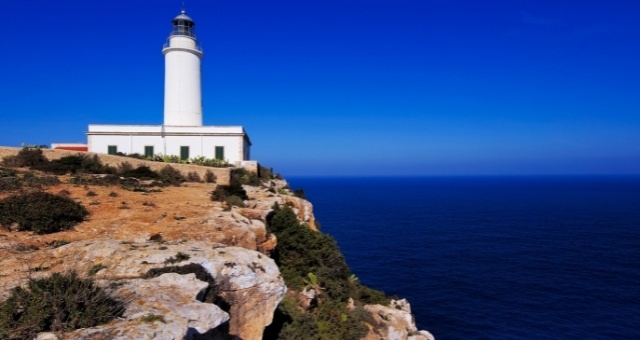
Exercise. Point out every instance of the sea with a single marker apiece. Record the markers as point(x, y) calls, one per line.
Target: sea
point(544, 257)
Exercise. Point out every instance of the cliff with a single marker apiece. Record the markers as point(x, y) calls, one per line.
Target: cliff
point(185, 266)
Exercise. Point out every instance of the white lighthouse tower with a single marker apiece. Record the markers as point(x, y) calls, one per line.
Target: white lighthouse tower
point(182, 85)
point(182, 133)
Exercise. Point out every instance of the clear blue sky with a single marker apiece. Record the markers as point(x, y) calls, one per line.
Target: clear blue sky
point(347, 87)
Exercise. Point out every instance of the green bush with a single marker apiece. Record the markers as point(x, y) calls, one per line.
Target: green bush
point(299, 193)
point(75, 164)
point(306, 257)
point(26, 157)
point(193, 176)
point(210, 177)
point(61, 302)
point(301, 250)
point(4, 172)
point(171, 176)
point(33, 181)
point(235, 201)
point(141, 172)
point(242, 176)
point(9, 183)
point(41, 212)
point(222, 192)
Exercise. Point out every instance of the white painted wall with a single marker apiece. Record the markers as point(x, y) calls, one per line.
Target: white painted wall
point(200, 140)
point(182, 83)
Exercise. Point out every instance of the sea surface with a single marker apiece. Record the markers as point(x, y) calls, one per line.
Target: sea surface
point(494, 257)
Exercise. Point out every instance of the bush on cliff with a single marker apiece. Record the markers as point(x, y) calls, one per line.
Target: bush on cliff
point(25, 157)
point(41, 212)
point(170, 176)
point(141, 172)
point(75, 164)
point(301, 251)
point(61, 302)
point(222, 192)
point(245, 177)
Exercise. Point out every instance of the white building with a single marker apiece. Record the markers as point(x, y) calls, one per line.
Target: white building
point(182, 133)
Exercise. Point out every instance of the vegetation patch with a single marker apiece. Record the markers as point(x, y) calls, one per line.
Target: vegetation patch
point(210, 177)
point(180, 256)
point(27, 157)
point(61, 302)
point(153, 318)
point(75, 164)
point(41, 212)
point(95, 269)
point(223, 192)
point(310, 259)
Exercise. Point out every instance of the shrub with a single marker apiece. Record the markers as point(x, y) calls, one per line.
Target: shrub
point(30, 157)
point(95, 269)
point(34, 181)
point(307, 257)
point(242, 176)
point(141, 172)
point(9, 183)
point(75, 164)
point(171, 176)
point(124, 167)
point(223, 191)
point(265, 173)
point(180, 256)
point(299, 193)
point(301, 250)
point(11, 161)
point(41, 212)
point(210, 177)
point(61, 302)
point(235, 201)
point(8, 172)
point(153, 318)
point(193, 177)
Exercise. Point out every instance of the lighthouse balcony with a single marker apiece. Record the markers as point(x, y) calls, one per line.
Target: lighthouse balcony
point(182, 43)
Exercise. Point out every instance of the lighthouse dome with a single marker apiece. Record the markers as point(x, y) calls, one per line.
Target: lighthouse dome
point(183, 16)
point(183, 25)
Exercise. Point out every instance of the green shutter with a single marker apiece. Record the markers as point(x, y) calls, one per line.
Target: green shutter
point(184, 153)
point(220, 152)
point(112, 149)
point(148, 151)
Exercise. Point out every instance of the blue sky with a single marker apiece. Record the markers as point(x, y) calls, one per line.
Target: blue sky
point(347, 87)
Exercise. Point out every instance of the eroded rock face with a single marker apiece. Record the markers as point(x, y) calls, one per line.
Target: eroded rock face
point(246, 280)
point(394, 322)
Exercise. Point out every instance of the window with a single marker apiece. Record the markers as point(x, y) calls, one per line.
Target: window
point(112, 149)
point(220, 153)
point(148, 151)
point(184, 153)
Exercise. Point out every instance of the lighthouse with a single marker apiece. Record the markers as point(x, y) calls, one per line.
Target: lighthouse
point(182, 133)
point(182, 84)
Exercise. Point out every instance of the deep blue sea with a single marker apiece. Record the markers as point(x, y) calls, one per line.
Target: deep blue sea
point(494, 257)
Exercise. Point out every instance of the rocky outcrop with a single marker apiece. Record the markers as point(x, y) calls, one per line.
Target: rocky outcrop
point(138, 244)
point(248, 283)
point(394, 322)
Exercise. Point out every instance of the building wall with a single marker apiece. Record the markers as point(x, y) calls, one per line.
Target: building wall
point(236, 147)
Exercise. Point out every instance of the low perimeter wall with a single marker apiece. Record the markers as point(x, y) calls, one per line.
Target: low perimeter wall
point(222, 174)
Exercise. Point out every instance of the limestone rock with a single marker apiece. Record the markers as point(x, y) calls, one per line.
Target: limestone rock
point(249, 282)
point(394, 322)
